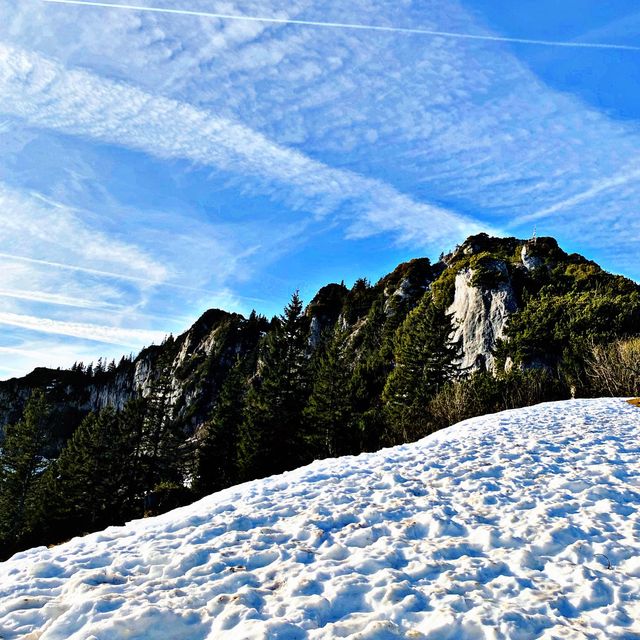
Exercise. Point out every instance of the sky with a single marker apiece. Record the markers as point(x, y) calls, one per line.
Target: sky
point(156, 164)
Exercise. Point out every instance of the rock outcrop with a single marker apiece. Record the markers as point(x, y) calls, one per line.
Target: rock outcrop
point(481, 312)
point(529, 260)
point(195, 364)
point(323, 311)
point(483, 282)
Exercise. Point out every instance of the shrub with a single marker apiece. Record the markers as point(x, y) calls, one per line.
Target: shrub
point(482, 393)
point(614, 369)
point(523, 388)
point(476, 395)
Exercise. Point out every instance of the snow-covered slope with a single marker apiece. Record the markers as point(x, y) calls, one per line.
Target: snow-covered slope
point(499, 527)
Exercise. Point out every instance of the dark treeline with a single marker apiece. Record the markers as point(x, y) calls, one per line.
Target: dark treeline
point(383, 370)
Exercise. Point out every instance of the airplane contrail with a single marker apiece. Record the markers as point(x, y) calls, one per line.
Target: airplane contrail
point(97, 333)
point(118, 276)
point(58, 299)
point(111, 274)
point(96, 272)
point(344, 25)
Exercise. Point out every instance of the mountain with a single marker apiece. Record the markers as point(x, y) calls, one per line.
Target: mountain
point(521, 524)
point(528, 291)
point(498, 323)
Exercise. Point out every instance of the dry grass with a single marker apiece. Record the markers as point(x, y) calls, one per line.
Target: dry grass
point(634, 401)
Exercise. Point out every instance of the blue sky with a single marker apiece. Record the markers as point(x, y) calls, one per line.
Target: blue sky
point(155, 165)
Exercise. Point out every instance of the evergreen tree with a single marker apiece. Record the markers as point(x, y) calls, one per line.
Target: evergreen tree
point(22, 462)
point(371, 357)
point(132, 427)
point(424, 357)
point(152, 445)
point(358, 300)
point(270, 439)
point(328, 414)
point(217, 464)
point(83, 489)
point(161, 436)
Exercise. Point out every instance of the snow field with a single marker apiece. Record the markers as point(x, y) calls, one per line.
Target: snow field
point(500, 527)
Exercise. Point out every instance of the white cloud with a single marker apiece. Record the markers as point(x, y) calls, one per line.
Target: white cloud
point(29, 220)
point(627, 177)
point(370, 133)
point(284, 20)
point(76, 102)
point(64, 250)
point(57, 299)
point(137, 295)
point(107, 334)
point(464, 125)
point(84, 284)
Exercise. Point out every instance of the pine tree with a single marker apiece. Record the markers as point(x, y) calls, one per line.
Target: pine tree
point(424, 357)
point(358, 300)
point(328, 414)
point(21, 463)
point(132, 427)
point(83, 489)
point(161, 436)
point(271, 434)
point(217, 464)
point(368, 379)
point(151, 441)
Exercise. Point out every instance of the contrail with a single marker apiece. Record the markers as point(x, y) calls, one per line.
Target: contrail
point(98, 272)
point(118, 276)
point(345, 25)
point(97, 333)
point(57, 299)
point(79, 303)
point(106, 274)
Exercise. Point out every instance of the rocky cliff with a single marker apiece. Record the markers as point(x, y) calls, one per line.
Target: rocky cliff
point(195, 364)
point(485, 283)
point(490, 278)
point(480, 313)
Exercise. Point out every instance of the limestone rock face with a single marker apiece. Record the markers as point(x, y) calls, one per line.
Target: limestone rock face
point(530, 261)
point(397, 295)
point(114, 393)
point(196, 362)
point(480, 313)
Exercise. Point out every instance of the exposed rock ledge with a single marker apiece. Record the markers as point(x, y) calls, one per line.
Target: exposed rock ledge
point(480, 314)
